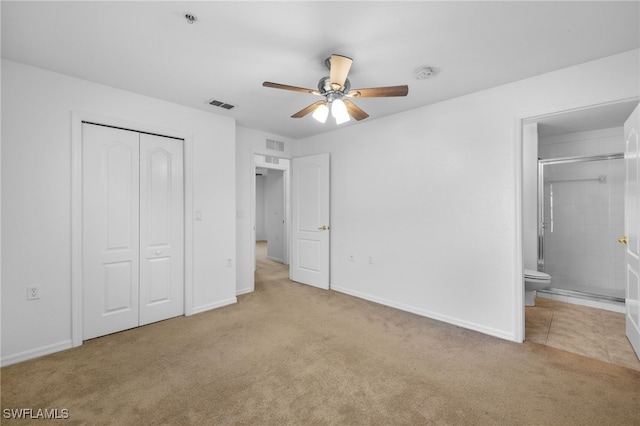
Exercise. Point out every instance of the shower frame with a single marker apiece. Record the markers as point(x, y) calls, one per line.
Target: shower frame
point(541, 203)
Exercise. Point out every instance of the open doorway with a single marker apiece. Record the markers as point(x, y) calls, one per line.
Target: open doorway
point(573, 214)
point(271, 213)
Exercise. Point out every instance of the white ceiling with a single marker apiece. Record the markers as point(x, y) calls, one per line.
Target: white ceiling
point(585, 119)
point(148, 47)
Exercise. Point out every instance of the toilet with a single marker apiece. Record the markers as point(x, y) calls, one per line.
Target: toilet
point(534, 281)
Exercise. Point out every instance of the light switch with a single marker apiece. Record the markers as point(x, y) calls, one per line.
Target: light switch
point(198, 215)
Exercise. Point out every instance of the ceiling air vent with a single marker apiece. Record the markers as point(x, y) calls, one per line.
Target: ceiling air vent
point(275, 145)
point(221, 104)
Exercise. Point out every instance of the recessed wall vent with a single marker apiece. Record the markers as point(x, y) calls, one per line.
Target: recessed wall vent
point(221, 104)
point(275, 145)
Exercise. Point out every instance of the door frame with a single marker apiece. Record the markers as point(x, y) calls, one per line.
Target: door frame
point(286, 173)
point(77, 118)
point(520, 120)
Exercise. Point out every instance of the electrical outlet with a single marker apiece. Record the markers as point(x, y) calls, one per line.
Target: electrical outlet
point(33, 292)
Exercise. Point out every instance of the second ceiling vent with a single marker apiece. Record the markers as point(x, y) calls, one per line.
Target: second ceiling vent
point(221, 104)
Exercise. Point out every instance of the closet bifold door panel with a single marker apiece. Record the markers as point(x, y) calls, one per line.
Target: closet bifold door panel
point(161, 223)
point(132, 229)
point(110, 229)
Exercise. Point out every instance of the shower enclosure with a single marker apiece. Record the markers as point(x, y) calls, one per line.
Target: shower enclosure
point(581, 216)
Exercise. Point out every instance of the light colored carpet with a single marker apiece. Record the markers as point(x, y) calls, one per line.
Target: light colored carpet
point(292, 354)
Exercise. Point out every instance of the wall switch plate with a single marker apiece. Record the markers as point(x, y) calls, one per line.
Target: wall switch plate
point(371, 260)
point(33, 292)
point(352, 257)
point(228, 263)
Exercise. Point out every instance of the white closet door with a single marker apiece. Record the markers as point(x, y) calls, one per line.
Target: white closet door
point(161, 229)
point(133, 229)
point(110, 197)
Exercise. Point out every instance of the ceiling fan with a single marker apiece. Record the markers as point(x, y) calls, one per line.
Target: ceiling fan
point(335, 89)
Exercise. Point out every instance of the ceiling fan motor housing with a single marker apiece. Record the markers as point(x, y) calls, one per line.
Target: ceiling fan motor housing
point(324, 86)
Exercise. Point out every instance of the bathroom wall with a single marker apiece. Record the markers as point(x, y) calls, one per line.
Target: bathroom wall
point(601, 141)
point(581, 250)
point(530, 195)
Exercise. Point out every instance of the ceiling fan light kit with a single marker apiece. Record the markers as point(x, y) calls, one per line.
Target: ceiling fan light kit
point(339, 111)
point(321, 113)
point(335, 88)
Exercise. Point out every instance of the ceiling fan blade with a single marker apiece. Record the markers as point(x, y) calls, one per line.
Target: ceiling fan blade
point(355, 111)
point(379, 92)
point(292, 88)
point(340, 66)
point(309, 109)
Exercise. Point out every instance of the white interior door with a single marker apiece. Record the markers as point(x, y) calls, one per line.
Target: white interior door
point(310, 221)
point(161, 224)
point(110, 230)
point(632, 227)
point(133, 229)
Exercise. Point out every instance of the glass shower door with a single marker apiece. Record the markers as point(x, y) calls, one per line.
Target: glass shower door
point(582, 211)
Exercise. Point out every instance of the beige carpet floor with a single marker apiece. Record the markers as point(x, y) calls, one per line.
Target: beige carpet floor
point(292, 354)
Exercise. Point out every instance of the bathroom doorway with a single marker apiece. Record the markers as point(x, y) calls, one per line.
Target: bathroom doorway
point(573, 216)
point(580, 203)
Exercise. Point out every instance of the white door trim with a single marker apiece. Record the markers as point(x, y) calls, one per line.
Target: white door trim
point(518, 315)
point(77, 117)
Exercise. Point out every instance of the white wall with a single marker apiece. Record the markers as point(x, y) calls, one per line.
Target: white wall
point(36, 207)
point(248, 143)
point(431, 195)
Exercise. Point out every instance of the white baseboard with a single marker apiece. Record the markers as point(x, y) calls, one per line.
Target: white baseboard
point(429, 314)
point(243, 291)
point(275, 259)
point(35, 353)
point(210, 306)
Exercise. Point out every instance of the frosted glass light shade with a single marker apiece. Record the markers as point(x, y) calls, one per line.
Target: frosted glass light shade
point(321, 113)
point(339, 111)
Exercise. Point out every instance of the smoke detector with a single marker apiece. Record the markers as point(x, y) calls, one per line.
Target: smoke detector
point(424, 73)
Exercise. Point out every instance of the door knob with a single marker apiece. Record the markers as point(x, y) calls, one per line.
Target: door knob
point(323, 228)
point(158, 252)
point(622, 240)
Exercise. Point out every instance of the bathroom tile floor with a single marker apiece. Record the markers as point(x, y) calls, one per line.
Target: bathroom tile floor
point(592, 332)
